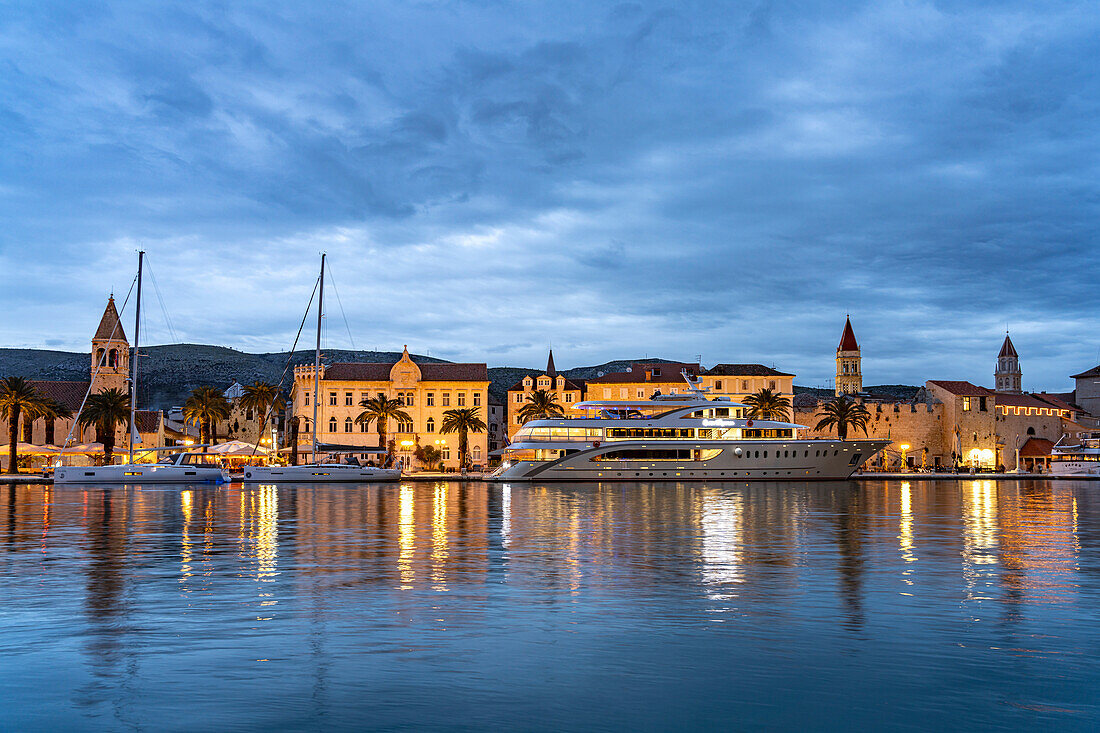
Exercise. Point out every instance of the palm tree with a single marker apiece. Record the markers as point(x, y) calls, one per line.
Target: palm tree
point(52, 410)
point(381, 410)
point(205, 407)
point(260, 396)
point(842, 413)
point(17, 396)
point(768, 405)
point(541, 404)
point(106, 411)
point(463, 421)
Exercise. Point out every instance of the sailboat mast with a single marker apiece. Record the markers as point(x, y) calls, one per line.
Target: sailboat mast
point(134, 359)
point(317, 358)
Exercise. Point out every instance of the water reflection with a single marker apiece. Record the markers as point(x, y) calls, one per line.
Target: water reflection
point(310, 579)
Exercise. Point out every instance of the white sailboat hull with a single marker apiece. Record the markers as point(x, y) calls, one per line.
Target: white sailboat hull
point(139, 473)
point(319, 474)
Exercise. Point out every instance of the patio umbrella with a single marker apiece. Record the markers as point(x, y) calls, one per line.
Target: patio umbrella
point(237, 448)
point(27, 449)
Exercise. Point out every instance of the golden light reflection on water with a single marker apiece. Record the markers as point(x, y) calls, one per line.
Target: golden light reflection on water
point(439, 538)
point(186, 550)
point(980, 528)
point(406, 535)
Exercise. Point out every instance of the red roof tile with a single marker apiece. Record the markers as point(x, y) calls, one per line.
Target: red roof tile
point(148, 421)
point(669, 373)
point(744, 370)
point(1007, 349)
point(109, 326)
point(1094, 372)
point(1022, 400)
point(69, 394)
point(963, 389)
point(1035, 447)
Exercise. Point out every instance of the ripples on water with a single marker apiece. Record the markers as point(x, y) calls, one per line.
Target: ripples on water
point(653, 606)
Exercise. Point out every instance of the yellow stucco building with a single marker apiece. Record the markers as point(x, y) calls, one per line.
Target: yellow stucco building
point(425, 391)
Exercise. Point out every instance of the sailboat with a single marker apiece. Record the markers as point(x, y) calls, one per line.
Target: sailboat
point(318, 472)
point(182, 468)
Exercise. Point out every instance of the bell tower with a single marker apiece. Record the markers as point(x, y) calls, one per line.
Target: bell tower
point(1008, 377)
point(849, 377)
point(110, 352)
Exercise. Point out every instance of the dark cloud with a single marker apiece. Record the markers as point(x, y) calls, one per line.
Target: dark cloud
point(673, 179)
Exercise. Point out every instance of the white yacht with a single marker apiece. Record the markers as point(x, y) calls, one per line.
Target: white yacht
point(686, 437)
point(1080, 457)
point(320, 472)
point(182, 468)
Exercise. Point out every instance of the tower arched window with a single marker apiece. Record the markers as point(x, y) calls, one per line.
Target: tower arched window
point(101, 358)
point(112, 358)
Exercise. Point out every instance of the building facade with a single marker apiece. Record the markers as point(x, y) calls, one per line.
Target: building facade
point(425, 391)
point(568, 392)
point(1008, 377)
point(849, 368)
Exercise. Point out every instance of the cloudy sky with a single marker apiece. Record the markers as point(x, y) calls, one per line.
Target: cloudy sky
point(685, 179)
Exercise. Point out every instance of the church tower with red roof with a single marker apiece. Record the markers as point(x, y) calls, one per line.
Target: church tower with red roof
point(849, 374)
point(110, 352)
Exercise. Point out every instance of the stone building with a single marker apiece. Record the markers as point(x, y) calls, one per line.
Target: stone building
point(1008, 377)
point(426, 391)
point(245, 423)
point(1086, 393)
point(109, 364)
point(568, 391)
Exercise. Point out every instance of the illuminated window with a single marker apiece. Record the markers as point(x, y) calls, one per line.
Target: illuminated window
point(364, 396)
point(966, 404)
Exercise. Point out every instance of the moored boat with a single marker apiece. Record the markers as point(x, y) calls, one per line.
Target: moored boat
point(1082, 456)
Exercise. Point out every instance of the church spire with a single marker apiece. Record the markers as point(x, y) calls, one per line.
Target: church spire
point(848, 338)
point(1008, 377)
point(551, 370)
point(110, 328)
point(849, 373)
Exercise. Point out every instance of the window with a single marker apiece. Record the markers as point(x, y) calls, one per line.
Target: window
point(364, 427)
point(429, 399)
point(744, 385)
point(306, 396)
point(349, 400)
point(332, 398)
point(476, 453)
point(656, 371)
point(430, 425)
point(410, 399)
point(717, 384)
point(606, 393)
point(461, 399)
point(446, 453)
point(519, 398)
point(519, 421)
point(771, 385)
point(570, 397)
point(381, 395)
point(622, 393)
point(101, 359)
point(347, 425)
point(477, 399)
point(446, 399)
point(112, 360)
point(966, 404)
point(641, 394)
point(544, 383)
point(401, 398)
point(981, 404)
point(332, 425)
point(364, 396)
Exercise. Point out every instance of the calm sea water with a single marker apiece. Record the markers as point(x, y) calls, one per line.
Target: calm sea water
point(847, 606)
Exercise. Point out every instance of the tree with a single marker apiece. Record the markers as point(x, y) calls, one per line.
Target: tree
point(260, 396)
point(381, 410)
point(842, 413)
point(17, 397)
point(429, 455)
point(292, 436)
point(464, 420)
point(52, 410)
point(204, 408)
point(106, 411)
point(768, 405)
point(541, 404)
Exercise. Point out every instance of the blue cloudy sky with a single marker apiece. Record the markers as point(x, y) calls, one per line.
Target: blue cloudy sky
point(674, 179)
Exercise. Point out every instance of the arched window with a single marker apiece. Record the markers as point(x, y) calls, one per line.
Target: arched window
point(112, 359)
point(430, 425)
point(101, 358)
point(1031, 431)
point(347, 425)
point(477, 452)
point(332, 425)
point(409, 399)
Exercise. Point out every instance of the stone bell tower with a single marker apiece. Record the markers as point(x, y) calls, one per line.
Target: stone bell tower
point(849, 377)
point(110, 352)
point(1008, 377)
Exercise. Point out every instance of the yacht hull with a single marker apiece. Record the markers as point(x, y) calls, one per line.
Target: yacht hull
point(811, 460)
point(1072, 467)
point(139, 473)
point(332, 474)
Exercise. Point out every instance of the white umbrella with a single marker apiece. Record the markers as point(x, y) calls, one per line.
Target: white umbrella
point(237, 448)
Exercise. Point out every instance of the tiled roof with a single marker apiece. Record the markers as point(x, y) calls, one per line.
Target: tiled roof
point(848, 338)
point(670, 374)
point(69, 394)
point(744, 370)
point(379, 372)
point(1022, 400)
point(804, 399)
point(1094, 372)
point(569, 384)
point(1036, 447)
point(1007, 349)
point(1061, 400)
point(109, 325)
point(148, 421)
point(963, 389)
